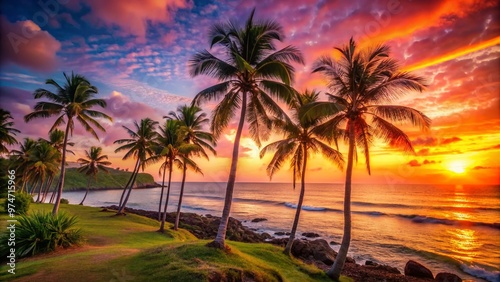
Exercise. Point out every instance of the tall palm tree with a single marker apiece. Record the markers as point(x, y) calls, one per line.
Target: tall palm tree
point(301, 136)
point(192, 121)
point(7, 132)
point(44, 161)
point(362, 82)
point(252, 75)
point(74, 100)
point(92, 164)
point(141, 146)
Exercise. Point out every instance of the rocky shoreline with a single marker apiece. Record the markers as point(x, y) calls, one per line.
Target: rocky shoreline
point(310, 250)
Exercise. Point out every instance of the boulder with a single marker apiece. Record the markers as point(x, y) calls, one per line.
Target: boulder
point(415, 269)
point(318, 250)
point(310, 235)
point(447, 277)
point(279, 233)
point(259, 219)
point(278, 241)
point(334, 243)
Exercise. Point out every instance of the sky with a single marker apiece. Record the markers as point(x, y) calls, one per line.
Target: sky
point(137, 52)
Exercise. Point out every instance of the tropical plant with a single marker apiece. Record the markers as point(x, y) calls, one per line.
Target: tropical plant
point(92, 164)
point(300, 137)
point(22, 161)
point(252, 75)
point(141, 146)
point(7, 132)
point(74, 100)
point(362, 82)
point(21, 201)
point(41, 233)
point(192, 120)
point(43, 161)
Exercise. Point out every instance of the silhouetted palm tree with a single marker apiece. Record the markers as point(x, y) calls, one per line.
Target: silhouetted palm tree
point(7, 132)
point(92, 164)
point(74, 100)
point(362, 82)
point(192, 120)
point(140, 146)
point(301, 136)
point(252, 75)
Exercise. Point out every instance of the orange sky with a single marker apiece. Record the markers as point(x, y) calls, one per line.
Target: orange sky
point(455, 45)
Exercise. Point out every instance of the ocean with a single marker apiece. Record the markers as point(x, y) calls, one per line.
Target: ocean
point(447, 228)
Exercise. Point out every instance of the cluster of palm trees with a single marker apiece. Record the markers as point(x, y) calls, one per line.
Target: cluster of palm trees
point(254, 82)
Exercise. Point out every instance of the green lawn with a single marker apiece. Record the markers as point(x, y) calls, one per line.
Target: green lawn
point(128, 248)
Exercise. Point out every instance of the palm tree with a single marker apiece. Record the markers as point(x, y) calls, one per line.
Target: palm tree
point(44, 161)
point(252, 73)
point(141, 146)
point(56, 139)
point(301, 136)
point(7, 132)
point(363, 81)
point(74, 100)
point(91, 165)
point(192, 121)
point(22, 160)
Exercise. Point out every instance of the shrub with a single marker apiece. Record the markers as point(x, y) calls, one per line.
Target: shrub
point(21, 203)
point(64, 201)
point(42, 232)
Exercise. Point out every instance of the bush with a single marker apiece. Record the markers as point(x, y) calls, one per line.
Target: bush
point(64, 201)
point(41, 233)
point(21, 202)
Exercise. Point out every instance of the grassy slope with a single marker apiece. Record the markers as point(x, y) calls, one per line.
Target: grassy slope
point(129, 249)
point(114, 179)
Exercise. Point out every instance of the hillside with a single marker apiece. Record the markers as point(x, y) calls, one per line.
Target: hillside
point(112, 180)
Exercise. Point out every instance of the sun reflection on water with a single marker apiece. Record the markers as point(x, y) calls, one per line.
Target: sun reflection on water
point(464, 244)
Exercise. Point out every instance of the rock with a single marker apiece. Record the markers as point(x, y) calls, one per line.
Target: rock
point(447, 277)
point(310, 235)
point(318, 250)
point(334, 243)
point(259, 219)
point(279, 233)
point(369, 262)
point(278, 241)
point(415, 269)
point(266, 236)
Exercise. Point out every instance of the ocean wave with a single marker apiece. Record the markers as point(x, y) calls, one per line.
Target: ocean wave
point(311, 208)
point(385, 205)
point(476, 271)
point(433, 220)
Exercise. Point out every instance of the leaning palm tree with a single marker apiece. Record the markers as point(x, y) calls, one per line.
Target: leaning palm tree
point(7, 132)
point(74, 100)
point(301, 136)
point(252, 74)
point(92, 164)
point(192, 120)
point(44, 161)
point(22, 161)
point(141, 146)
point(362, 82)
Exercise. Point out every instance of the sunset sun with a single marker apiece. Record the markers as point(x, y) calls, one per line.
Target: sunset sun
point(457, 167)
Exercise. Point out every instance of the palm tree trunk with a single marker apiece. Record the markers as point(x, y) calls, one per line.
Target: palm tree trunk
point(122, 207)
point(162, 189)
point(39, 191)
point(88, 187)
point(47, 188)
point(63, 169)
point(136, 167)
point(288, 247)
point(177, 217)
point(220, 239)
point(33, 186)
point(24, 179)
point(164, 215)
point(52, 197)
point(334, 271)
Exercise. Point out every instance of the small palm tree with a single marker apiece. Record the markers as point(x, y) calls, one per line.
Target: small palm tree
point(141, 146)
point(44, 161)
point(362, 81)
point(301, 136)
point(253, 75)
point(192, 120)
point(92, 164)
point(74, 100)
point(7, 132)
point(22, 160)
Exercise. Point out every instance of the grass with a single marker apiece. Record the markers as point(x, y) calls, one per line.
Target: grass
point(114, 179)
point(128, 248)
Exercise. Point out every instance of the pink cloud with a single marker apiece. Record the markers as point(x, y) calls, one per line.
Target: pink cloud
point(132, 16)
point(25, 44)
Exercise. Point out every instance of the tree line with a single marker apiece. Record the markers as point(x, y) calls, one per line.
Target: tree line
point(254, 80)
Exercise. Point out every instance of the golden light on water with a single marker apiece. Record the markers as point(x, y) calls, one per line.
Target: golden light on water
point(464, 244)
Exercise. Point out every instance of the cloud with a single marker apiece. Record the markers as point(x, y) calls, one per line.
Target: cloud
point(446, 141)
point(414, 163)
point(23, 43)
point(134, 16)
